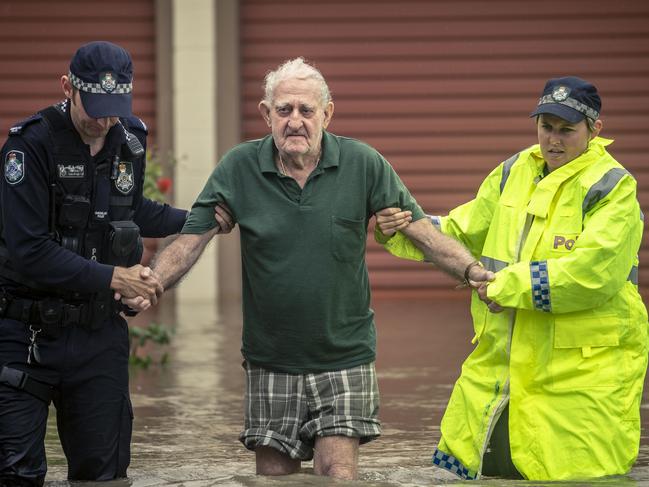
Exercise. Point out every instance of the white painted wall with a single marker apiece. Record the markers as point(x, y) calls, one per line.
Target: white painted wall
point(194, 109)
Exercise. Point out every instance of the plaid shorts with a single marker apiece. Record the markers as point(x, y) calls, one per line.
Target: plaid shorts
point(287, 412)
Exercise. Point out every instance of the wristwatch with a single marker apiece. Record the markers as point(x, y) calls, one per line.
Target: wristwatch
point(467, 271)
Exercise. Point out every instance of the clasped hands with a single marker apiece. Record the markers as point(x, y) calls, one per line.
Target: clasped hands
point(391, 220)
point(479, 280)
point(136, 286)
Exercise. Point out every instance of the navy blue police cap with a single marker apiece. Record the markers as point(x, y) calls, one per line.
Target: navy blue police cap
point(103, 74)
point(570, 98)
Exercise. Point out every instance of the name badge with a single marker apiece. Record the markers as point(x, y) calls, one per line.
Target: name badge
point(71, 171)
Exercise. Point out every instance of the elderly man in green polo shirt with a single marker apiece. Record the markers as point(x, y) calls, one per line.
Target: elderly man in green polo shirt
point(303, 198)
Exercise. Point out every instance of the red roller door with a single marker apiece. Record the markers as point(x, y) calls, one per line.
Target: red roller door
point(443, 88)
point(37, 39)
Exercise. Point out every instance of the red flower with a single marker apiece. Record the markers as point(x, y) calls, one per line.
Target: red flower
point(164, 185)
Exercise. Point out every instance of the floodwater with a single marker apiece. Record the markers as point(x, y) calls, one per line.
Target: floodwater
point(188, 413)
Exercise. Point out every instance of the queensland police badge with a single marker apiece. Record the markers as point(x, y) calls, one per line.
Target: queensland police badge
point(14, 166)
point(560, 93)
point(108, 82)
point(124, 182)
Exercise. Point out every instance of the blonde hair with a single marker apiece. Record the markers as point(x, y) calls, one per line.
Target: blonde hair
point(591, 124)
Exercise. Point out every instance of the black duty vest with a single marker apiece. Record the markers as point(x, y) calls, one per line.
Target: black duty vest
point(92, 204)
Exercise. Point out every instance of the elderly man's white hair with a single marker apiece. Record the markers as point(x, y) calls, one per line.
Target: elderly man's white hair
point(296, 68)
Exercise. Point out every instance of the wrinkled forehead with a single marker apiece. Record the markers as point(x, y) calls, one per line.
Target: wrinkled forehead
point(297, 91)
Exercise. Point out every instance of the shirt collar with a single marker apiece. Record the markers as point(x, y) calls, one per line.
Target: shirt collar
point(330, 153)
point(547, 187)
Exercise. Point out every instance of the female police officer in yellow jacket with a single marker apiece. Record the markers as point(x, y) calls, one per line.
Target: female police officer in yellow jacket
point(553, 388)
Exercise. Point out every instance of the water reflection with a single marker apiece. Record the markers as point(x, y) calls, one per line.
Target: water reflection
point(188, 414)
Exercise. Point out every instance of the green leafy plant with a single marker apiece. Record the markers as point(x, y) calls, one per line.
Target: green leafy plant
point(154, 335)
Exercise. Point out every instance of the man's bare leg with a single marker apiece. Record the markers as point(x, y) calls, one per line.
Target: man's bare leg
point(336, 456)
point(272, 462)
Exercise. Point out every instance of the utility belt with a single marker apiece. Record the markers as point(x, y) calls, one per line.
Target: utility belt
point(52, 314)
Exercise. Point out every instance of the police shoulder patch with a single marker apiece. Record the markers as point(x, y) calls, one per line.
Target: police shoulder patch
point(14, 166)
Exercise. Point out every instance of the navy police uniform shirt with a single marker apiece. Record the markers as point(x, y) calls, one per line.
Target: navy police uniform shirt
point(24, 206)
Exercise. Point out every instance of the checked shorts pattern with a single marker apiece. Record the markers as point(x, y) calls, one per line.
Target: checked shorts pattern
point(287, 411)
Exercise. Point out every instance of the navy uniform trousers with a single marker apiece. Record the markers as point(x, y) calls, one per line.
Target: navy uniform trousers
point(89, 372)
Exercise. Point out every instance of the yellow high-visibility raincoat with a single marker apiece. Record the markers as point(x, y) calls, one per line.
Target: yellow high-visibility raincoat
point(569, 353)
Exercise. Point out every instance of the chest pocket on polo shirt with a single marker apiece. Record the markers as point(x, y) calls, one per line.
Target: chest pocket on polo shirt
point(347, 238)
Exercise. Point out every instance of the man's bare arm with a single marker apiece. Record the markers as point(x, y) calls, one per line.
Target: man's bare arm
point(448, 254)
point(177, 258)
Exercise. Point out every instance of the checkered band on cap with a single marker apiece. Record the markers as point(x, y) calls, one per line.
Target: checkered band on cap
point(540, 285)
point(572, 103)
point(120, 88)
point(453, 465)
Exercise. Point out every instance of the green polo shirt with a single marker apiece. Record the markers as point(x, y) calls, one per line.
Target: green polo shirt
point(306, 293)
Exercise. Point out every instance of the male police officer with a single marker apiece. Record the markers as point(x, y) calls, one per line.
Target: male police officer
point(72, 212)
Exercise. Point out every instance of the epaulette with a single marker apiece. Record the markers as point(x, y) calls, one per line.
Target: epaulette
point(136, 123)
point(20, 126)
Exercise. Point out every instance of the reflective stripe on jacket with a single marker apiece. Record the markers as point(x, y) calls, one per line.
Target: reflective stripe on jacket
point(569, 353)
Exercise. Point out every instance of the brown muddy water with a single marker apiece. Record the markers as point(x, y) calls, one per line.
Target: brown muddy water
point(188, 413)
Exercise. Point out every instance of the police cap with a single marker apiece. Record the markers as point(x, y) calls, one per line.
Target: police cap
point(570, 98)
point(103, 74)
